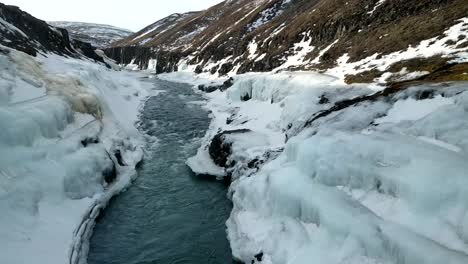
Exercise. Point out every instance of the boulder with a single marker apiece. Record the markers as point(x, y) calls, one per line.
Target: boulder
point(221, 147)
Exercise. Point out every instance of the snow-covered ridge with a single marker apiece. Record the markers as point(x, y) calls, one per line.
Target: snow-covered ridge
point(382, 181)
point(68, 145)
point(99, 35)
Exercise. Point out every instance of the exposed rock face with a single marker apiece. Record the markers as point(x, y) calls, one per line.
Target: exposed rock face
point(211, 88)
point(87, 50)
point(98, 35)
point(21, 31)
point(244, 35)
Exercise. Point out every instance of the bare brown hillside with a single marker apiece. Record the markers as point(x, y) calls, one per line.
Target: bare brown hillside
point(244, 35)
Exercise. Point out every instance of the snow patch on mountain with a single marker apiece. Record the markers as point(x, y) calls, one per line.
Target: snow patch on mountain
point(448, 45)
point(268, 14)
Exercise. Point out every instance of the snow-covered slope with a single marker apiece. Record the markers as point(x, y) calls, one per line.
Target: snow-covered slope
point(68, 141)
point(158, 30)
point(99, 35)
point(276, 35)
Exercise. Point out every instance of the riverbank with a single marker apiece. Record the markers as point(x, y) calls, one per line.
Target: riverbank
point(68, 145)
point(359, 175)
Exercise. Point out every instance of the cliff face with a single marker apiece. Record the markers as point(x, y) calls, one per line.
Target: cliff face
point(26, 33)
point(23, 32)
point(268, 35)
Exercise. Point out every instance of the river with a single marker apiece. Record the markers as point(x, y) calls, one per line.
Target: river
point(168, 215)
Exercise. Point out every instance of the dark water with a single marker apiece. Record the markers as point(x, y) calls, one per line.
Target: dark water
point(168, 216)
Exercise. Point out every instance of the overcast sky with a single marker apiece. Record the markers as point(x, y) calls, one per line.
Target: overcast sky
point(130, 14)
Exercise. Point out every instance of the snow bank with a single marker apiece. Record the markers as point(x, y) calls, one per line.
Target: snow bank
point(275, 102)
point(347, 191)
point(68, 144)
point(383, 181)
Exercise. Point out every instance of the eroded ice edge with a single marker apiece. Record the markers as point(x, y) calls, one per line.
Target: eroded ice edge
point(383, 181)
point(68, 143)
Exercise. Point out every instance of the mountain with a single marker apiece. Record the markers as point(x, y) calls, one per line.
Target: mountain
point(23, 32)
point(360, 39)
point(99, 35)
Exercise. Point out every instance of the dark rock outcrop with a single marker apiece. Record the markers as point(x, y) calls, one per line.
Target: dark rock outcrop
point(110, 174)
point(31, 35)
point(88, 50)
point(211, 88)
point(25, 33)
point(208, 88)
point(220, 147)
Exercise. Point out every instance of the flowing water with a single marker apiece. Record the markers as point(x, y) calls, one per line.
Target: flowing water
point(168, 215)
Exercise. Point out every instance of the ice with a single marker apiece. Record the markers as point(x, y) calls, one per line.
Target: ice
point(62, 121)
point(382, 181)
point(402, 197)
point(411, 109)
point(301, 187)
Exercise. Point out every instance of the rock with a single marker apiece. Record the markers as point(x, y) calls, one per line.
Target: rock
point(324, 99)
point(88, 50)
point(214, 70)
point(31, 35)
point(118, 156)
point(207, 88)
point(88, 141)
point(225, 68)
point(110, 174)
point(227, 84)
point(220, 147)
point(425, 94)
point(259, 256)
point(355, 29)
point(198, 69)
point(211, 88)
point(245, 97)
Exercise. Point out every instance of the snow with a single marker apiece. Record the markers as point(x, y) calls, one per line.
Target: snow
point(252, 48)
point(202, 164)
point(383, 181)
point(322, 52)
point(11, 28)
point(340, 196)
point(267, 15)
point(300, 50)
point(98, 35)
point(377, 5)
point(50, 180)
point(427, 48)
